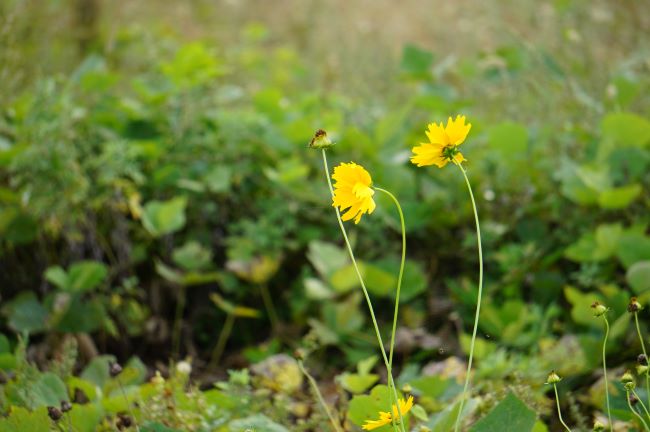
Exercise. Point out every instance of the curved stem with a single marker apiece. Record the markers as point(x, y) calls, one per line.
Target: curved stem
point(314, 386)
point(559, 412)
point(627, 396)
point(647, 372)
point(478, 299)
point(400, 276)
point(391, 382)
point(609, 414)
point(224, 335)
point(645, 409)
point(268, 304)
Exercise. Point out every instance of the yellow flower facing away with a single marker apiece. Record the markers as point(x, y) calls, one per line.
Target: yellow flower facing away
point(387, 418)
point(353, 191)
point(442, 147)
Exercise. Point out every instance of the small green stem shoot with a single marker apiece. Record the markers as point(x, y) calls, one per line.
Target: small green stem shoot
point(314, 386)
point(559, 411)
point(647, 372)
point(609, 414)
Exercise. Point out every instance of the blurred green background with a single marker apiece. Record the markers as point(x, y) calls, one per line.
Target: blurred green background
point(155, 182)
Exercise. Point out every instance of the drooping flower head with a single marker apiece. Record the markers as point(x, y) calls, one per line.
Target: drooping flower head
point(442, 147)
point(353, 191)
point(387, 418)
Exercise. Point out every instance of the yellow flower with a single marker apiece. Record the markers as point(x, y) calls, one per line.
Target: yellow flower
point(353, 191)
point(443, 143)
point(386, 418)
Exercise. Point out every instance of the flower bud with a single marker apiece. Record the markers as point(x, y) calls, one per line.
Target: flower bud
point(642, 360)
point(627, 377)
point(599, 309)
point(634, 305)
point(114, 369)
point(184, 368)
point(598, 426)
point(320, 140)
point(299, 354)
point(65, 406)
point(553, 378)
point(54, 413)
point(641, 369)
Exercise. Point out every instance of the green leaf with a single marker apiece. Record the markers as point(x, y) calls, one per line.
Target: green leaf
point(57, 277)
point(48, 390)
point(580, 306)
point(619, 197)
point(416, 62)
point(97, 370)
point(357, 383)
point(367, 407)
point(21, 420)
point(256, 422)
point(218, 179)
point(430, 386)
point(633, 246)
point(26, 314)
point(508, 139)
point(86, 418)
point(510, 414)
point(86, 275)
point(626, 129)
point(638, 276)
point(192, 256)
point(164, 217)
point(326, 257)
point(378, 281)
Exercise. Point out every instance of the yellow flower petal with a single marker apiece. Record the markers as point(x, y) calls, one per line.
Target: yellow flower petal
point(428, 154)
point(384, 419)
point(352, 191)
point(437, 134)
point(457, 130)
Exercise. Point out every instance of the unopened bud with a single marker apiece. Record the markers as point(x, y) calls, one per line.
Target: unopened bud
point(641, 369)
point(320, 140)
point(299, 354)
point(553, 378)
point(598, 426)
point(65, 406)
point(114, 369)
point(642, 360)
point(406, 388)
point(627, 377)
point(599, 309)
point(54, 413)
point(634, 305)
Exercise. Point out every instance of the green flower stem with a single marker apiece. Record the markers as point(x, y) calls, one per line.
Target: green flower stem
point(478, 300)
point(268, 305)
point(609, 414)
point(314, 386)
point(400, 276)
point(391, 382)
point(645, 409)
point(647, 372)
point(128, 404)
point(224, 335)
point(627, 397)
point(559, 412)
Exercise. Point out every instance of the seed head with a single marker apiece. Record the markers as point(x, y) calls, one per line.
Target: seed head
point(627, 377)
point(65, 406)
point(634, 305)
point(320, 140)
point(642, 360)
point(599, 309)
point(598, 426)
point(114, 369)
point(553, 378)
point(54, 413)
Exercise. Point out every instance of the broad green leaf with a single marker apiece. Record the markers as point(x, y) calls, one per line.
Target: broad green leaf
point(164, 217)
point(627, 129)
point(97, 370)
point(367, 407)
point(430, 386)
point(192, 256)
point(256, 422)
point(326, 257)
point(365, 366)
point(510, 414)
point(633, 246)
point(25, 313)
point(86, 275)
point(192, 66)
point(86, 418)
point(48, 390)
point(57, 276)
point(580, 306)
point(619, 197)
point(218, 179)
point(416, 62)
point(508, 139)
point(22, 420)
point(378, 281)
point(638, 276)
point(357, 383)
